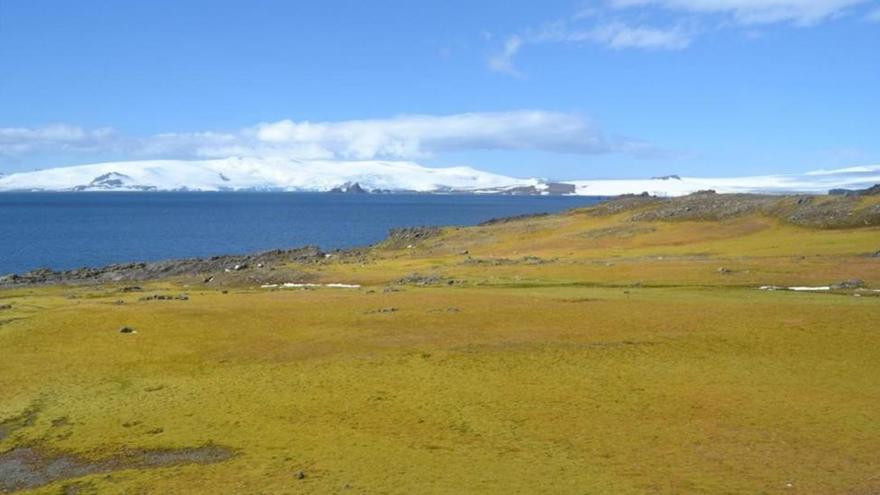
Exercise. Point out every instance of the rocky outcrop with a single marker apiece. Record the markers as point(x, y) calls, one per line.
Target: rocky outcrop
point(409, 236)
point(827, 212)
point(514, 218)
point(349, 188)
point(871, 191)
point(166, 268)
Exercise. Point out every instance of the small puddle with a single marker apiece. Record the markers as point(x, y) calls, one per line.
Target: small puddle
point(29, 467)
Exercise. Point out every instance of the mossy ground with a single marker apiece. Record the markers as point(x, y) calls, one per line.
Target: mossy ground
point(623, 361)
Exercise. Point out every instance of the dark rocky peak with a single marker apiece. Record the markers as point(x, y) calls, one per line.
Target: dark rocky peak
point(349, 188)
point(110, 179)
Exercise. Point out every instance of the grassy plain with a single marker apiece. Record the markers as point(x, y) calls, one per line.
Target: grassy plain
point(574, 353)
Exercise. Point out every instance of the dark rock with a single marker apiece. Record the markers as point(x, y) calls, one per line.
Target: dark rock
point(382, 310)
point(300, 475)
point(514, 218)
point(849, 284)
point(5, 306)
point(165, 297)
point(408, 236)
point(417, 279)
point(349, 188)
point(127, 330)
point(161, 269)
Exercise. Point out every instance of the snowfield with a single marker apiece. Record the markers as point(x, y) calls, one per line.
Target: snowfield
point(281, 174)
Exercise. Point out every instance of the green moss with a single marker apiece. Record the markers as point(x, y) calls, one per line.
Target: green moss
point(624, 364)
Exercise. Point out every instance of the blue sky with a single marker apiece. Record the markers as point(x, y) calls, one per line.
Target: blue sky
point(559, 89)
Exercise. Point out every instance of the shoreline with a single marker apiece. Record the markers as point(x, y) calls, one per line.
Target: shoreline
point(830, 212)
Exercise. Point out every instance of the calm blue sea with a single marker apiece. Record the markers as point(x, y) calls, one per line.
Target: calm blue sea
point(70, 230)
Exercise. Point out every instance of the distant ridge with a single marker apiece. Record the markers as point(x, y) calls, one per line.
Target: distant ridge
point(374, 176)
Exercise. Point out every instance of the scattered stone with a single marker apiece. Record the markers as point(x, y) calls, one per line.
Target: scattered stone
point(164, 297)
point(848, 284)
point(465, 252)
point(5, 306)
point(408, 236)
point(724, 271)
point(300, 475)
point(382, 310)
point(131, 288)
point(208, 280)
point(390, 289)
point(418, 279)
point(514, 218)
point(206, 267)
point(127, 330)
point(450, 309)
point(155, 431)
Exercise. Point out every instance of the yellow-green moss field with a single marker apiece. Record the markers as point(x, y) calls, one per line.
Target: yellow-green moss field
point(617, 363)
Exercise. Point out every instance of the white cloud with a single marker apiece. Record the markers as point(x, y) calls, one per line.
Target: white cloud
point(874, 15)
point(20, 140)
point(402, 137)
point(801, 12)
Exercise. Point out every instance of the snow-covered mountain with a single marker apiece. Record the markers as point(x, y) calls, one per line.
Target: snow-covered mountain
point(263, 174)
point(280, 174)
point(820, 181)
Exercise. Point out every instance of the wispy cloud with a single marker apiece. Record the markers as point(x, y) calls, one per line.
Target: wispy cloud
point(619, 35)
point(503, 61)
point(665, 24)
point(614, 35)
point(873, 16)
point(401, 137)
point(801, 12)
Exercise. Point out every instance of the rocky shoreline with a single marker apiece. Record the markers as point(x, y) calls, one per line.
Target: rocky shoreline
point(264, 267)
point(133, 272)
point(823, 212)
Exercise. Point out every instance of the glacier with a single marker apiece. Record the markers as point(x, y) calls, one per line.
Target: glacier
point(287, 174)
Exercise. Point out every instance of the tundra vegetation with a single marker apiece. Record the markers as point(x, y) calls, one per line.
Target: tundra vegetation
point(623, 348)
